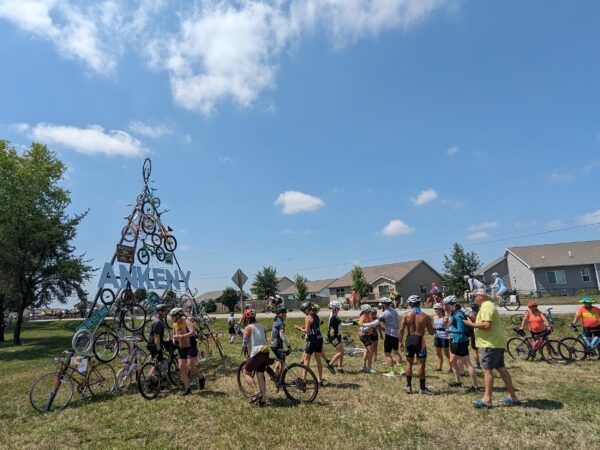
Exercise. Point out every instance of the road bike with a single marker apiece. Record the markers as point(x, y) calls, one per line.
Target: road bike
point(55, 390)
point(524, 348)
point(202, 321)
point(579, 348)
point(298, 381)
point(155, 375)
point(143, 254)
point(516, 319)
point(355, 351)
point(510, 300)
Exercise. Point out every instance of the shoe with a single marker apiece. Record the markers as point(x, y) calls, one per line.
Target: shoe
point(201, 383)
point(455, 384)
point(389, 374)
point(365, 370)
point(369, 370)
point(262, 403)
point(188, 391)
point(341, 370)
point(507, 401)
point(320, 383)
point(331, 368)
point(480, 404)
point(478, 366)
point(256, 398)
point(408, 390)
point(438, 370)
point(470, 390)
point(427, 391)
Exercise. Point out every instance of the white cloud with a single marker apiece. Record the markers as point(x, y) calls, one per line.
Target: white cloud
point(91, 140)
point(294, 202)
point(477, 235)
point(454, 204)
point(483, 226)
point(424, 197)
point(154, 132)
point(562, 176)
point(225, 159)
point(396, 227)
point(452, 150)
point(589, 218)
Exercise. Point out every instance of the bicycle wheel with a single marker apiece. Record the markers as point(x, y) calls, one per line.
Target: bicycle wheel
point(143, 256)
point(49, 393)
point(300, 383)
point(174, 374)
point(134, 317)
point(516, 319)
point(82, 341)
point(148, 224)
point(107, 296)
point(106, 346)
point(148, 208)
point(572, 349)
point(123, 379)
point(512, 306)
point(518, 348)
point(170, 243)
point(156, 239)
point(127, 296)
point(145, 331)
point(346, 306)
point(128, 233)
point(550, 352)
point(160, 253)
point(148, 380)
point(101, 380)
point(245, 388)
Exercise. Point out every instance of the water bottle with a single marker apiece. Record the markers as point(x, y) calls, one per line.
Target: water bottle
point(595, 342)
point(586, 340)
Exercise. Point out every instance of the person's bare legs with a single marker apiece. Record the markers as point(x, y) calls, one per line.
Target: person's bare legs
point(508, 382)
point(319, 366)
point(454, 363)
point(440, 358)
point(262, 385)
point(374, 347)
point(338, 356)
point(183, 371)
point(488, 383)
point(250, 380)
point(447, 355)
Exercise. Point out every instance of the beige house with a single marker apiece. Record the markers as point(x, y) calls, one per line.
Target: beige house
point(317, 290)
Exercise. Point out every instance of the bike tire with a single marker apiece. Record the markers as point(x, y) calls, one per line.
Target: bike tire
point(106, 346)
point(550, 352)
point(134, 317)
point(574, 347)
point(107, 296)
point(516, 319)
point(298, 388)
point(173, 373)
point(156, 239)
point(128, 233)
point(148, 383)
point(123, 380)
point(518, 348)
point(170, 243)
point(82, 341)
point(127, 296)
point(101, 380)
point(45, 398)
point(143, 256)
point(148, 224)
point(244, 387)
point(148, 208)
point(160, 254)
point(218, 344)
point(512, 306)
point(346, 306)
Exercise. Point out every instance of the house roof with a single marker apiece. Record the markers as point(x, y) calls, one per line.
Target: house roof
point(491, 264)
point(394, 272)
point(314, 287)
point(213, 295)
point(552, 255)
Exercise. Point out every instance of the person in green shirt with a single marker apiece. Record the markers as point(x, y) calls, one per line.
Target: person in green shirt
point(490, 340)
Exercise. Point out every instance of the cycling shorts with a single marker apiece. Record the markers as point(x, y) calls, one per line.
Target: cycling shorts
point(335, 340)
point(439, 342)
point(390, 343)
point(313, 346)
point(188, 352)
point(366, 340)
point(415, 346)
point(154, 352)
point(460, 348)
point(375, 337)
point(501, 292)
point(258, 363)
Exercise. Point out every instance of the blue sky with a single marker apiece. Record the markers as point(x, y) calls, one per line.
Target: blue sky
point(314, 134)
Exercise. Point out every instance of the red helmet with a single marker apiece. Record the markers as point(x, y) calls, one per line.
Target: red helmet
point(532, 304)
point(250, 312)
point(433, 283)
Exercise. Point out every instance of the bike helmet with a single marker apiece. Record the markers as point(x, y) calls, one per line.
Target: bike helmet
point(385, 301)
point(304, 306)
point(449, 300)
point(335, 305)
point(162, 307)
point(466, 277)
point(366, 308)
point(586, 300)
point(438, 306)
point(316, 308)
point(247, 306)
point(414, 299)
point(175, 311)
point(495, 275)
point(532, 304)
point(251, 312)
point(281, 311)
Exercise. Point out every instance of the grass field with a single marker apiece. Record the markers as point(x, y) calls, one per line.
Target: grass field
point(356, 410)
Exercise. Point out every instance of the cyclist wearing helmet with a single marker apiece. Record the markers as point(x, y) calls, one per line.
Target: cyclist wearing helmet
point(334, 337)
point(472, 316)
point(459, 348)
point(538, 323)
point(231, 327)
point(365, 335)
point(254, 344)
point(278, 339)
point(389, 317)
point(441, 340)
point(157, 333)
point(185, 334)
point(376, 335)
point(314, 340)
point(417, 323)
point(590, 317)
point(498, 286)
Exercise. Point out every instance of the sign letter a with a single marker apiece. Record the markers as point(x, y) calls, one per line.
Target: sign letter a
point(108, 277)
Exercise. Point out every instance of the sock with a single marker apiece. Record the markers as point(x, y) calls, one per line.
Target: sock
point(422, 383)
point(409, 380)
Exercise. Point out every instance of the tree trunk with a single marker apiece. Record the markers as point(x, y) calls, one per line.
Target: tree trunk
point(17, 333)
point(2, 317)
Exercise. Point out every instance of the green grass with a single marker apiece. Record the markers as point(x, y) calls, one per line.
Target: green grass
point(355, 411)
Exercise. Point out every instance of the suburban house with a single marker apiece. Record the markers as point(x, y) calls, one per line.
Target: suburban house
point(317, 290)
point(216, 296)
point(562, 269)
point(408, 278)
point(282, 284)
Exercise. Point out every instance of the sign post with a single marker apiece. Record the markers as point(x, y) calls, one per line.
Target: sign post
point(240, 278)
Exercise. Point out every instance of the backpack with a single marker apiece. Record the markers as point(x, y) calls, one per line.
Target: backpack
point(470, 332)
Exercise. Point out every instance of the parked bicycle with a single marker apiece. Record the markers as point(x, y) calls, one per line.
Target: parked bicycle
point(144, 253)
point(298, 381)
point(155, 375)
point(580, 347)
point(516, 319)
point(526, 348)
point(55, 390)
point(131, 362)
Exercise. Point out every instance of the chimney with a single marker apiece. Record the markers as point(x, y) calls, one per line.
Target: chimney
point(570, 254)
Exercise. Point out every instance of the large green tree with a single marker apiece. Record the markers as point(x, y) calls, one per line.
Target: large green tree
point(265, 282)
point(359, 283)
point(38, 262)
point(301, 288)
point(456, 266)
point(230, 298)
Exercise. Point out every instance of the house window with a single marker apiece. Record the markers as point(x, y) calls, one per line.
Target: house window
point(556, 277)
point(585, 275)
point(384, 290)
point(340, 292)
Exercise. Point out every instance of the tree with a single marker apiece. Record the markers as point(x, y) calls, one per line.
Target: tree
point(359, 283)
point(210, 306)
point(230, 298)
point(38, 260)
point(301, 288)
point(265, 282)
point(456, 266)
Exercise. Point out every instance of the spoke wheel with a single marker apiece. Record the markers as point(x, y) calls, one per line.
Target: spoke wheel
point(101, 380)
point(44, 397)
point(106, 346)
point(123, 379)
point(148, 224)
point(156, 239)
point(512, 306)
point(551, 352)
point(174, 374)
point(128, 232)
point(148, 382)
point(134, 317)
point(516, 319)
point(300, 383)
point(518, 348)
point(572, 349)
point(170, 243)
point(82, 341)
point(143, 256)
point(160, 254)
point(148, 208)
point(245, 388)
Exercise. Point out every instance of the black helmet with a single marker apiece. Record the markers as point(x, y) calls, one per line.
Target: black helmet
point(162, 307)
point(305, 306)
point(281, 311)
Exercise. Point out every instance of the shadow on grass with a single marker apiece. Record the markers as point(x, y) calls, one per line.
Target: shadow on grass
point(286, 403)
point(543, 404)
point(36, 348)
point(350, 386)
point(213, 394)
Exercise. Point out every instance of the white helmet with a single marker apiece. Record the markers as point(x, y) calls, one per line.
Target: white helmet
point(385, 301)
point(466, 277)
point(175, 311)
point(438, 306)
point(335, 305)
point(495, 275)
point(449, 300)
point(366, 308)
point(414, 299)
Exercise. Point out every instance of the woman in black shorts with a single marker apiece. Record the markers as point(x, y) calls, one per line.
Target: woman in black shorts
point(441, 340)
point(334, 337)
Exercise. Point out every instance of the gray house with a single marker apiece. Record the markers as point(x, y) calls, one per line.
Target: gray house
point(317, 290)
point(408, 278)
point(560, 269)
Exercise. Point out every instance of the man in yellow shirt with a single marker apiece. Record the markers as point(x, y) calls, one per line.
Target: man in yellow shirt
point(490, 340)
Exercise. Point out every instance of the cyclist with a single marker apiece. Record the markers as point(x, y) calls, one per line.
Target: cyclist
point(354, 299)
point(334, 337)
point(365, 335)
point(459, 348)
point(474, 351)
point(278, 339)
point(231, 327)
point(417, 323)
point(441, 340)
point(376, 335)
point(254, 344)
point(435, 294)
point(590, 318)
point(537, 321)
point(157, 334)
point(389, 317)
point(499, 286)
point(314, 340)
point(185, 334)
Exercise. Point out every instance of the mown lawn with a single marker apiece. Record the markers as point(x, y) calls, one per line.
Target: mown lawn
point(356, 410)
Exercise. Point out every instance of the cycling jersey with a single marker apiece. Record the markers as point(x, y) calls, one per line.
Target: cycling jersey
point(389, 317)
point(457, 327)
point(277, 333)
point(590, 317)
point(314, 332)
point(258, 340)
point(365, 318)
point(499, 285)
point(182, 328)
point(475, 284)
point(333, 330)
point(536, 322)
point(439, 324)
